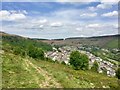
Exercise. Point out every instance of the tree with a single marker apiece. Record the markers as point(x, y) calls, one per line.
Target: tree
point(35, 52)
point(78, 60)
point(95, 66)
point(118, 73)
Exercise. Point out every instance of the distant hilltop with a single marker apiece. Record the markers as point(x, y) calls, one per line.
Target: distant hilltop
point(108, 41)
point(105, 36)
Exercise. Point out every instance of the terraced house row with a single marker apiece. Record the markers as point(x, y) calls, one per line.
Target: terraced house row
point(63, 53)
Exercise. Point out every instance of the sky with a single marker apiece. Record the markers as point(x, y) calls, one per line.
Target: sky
point(59, 19)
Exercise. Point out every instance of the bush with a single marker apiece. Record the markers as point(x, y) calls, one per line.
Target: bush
point(48, 59)
point(17, 50)
point(104, 71)
point(78, 60)
point(95, 66)
point(118, 73)
point(35, 52)
point(63, 63)
point(56, 61)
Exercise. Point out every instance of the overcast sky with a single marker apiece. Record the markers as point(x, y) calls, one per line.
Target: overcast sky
point(51, 20)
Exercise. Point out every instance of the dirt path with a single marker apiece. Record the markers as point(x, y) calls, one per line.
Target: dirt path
point(49, 80)
point(27, 66)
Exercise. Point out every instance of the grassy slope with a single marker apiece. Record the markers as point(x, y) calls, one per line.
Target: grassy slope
point(25, 72)
point(16, 73)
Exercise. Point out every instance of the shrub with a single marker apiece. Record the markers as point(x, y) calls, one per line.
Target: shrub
point(48, 59)
point(35, 52)
point(56, 61)
point(118, 73)
point(104, 71)
point(78, 60)
point(63, 63)
point(95, 66)
point(17, 50)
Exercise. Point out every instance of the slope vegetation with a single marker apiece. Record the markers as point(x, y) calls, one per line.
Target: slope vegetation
point(25, 72)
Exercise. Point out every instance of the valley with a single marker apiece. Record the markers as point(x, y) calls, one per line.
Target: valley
point(21, 70)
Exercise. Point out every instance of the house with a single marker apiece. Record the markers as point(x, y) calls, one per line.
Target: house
point(65, 53)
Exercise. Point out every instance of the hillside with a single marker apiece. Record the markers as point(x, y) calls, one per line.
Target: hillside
point(22, 71)
point(101, 41)
point(25, 72)
point(22, 43)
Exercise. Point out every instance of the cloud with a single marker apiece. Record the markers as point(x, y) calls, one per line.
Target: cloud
point(102, 1)
point(17, 16)
point(43, 21)
point(76, 0)
point(61, 22)
point(56, 24)
point(50, 0)
point(94, 26)
point(89, 15)
point(104, 6)
point(109, 1)
point(116, 26)
point(101, 6)
point(2, 30)
point(79, 29)
point(41, 26)
point(25, 12)
point(11, 15)
point(92, 8)
point(4, 14)
point(67, 30)
point(66, 14)
point(110, 14)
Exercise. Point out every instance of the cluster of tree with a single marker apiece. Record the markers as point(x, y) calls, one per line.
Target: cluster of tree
point(23, 43)
point(79, 60)
point(25, 46)
point(31, 51)
point(35, 52)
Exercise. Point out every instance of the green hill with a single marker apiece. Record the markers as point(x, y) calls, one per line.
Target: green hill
point(23, 71)
point(22, 43)
point(101, 41)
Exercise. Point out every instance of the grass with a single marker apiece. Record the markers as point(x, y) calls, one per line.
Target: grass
point(112, 44)
point(70, 78)
point(17, 73)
